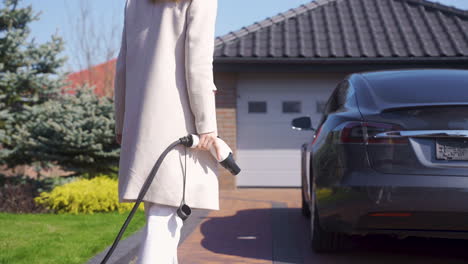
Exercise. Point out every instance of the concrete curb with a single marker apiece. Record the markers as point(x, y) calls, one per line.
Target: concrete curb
point(127, 249)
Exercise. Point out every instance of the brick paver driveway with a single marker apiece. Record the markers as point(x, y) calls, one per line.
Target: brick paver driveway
point(263, 225)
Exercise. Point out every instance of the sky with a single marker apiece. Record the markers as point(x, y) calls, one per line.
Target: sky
point(61, 16)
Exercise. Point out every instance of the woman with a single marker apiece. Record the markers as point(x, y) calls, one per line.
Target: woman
point(164, 90)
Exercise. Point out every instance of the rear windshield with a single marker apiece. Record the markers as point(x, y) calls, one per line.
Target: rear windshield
point(418, 88)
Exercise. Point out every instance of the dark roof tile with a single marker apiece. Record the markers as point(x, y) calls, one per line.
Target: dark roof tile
point(353, 28)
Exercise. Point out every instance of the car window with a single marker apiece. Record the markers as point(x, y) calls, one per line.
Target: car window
point(341, 98)
point(328, 108)
point(342, 94)
point(331, 104)
point(337, 98)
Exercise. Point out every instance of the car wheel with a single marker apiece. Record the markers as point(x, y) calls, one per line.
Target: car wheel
point(324, 241)
point(305, 206)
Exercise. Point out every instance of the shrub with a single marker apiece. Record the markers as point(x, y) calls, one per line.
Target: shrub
point(17, 192)
point(112, 175)
point(19, 199)
point(41, 185)
point(87, 196)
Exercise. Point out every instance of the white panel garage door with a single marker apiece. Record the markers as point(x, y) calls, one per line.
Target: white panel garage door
point(268, 149)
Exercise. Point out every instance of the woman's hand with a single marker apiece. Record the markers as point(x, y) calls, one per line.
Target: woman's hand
point(207, 140)
point(118, 138)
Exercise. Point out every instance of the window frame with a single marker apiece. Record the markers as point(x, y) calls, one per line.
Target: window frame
point(249, 104)
point(291, 101)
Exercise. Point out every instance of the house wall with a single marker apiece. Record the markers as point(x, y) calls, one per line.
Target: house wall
point(227, 101)
point(226, 113)
point(267, 146)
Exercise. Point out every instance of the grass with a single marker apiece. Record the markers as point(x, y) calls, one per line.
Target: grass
point(60, 238)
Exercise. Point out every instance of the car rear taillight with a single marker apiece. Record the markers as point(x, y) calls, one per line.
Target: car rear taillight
point(364, 132)
point(352, 132)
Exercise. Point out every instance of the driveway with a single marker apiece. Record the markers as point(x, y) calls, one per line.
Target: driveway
point(263, 225)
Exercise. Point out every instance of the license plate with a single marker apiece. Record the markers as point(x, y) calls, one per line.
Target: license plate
point(452, 149)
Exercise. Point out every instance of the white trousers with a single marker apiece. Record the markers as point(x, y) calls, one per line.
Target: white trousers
point(161, 236)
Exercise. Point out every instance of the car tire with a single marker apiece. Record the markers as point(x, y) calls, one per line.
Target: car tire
point(305, 206)
point(324, 241)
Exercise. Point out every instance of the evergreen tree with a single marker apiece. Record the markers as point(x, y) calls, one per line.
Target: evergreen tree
point(39, 125)
point(28, 71)
point(75, 132)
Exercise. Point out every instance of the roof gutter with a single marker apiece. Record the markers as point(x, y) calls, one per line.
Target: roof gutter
point(263, 60)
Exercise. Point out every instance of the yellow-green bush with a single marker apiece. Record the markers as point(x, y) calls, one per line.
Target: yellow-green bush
point(85, 196)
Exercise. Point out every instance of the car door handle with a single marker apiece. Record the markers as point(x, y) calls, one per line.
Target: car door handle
point(424, 134)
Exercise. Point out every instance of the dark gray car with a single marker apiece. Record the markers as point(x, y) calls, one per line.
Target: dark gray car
point(390, 155)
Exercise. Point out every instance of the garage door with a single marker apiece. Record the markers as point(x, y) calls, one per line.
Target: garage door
point(268, 149)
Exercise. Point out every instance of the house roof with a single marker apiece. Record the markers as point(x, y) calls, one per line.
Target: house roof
point(352, 29)
point(100, 76)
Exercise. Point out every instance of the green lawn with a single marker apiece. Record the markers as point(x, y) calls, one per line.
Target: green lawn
point(64, 238)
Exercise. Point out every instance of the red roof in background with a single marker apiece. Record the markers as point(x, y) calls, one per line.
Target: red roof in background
point(101, 76)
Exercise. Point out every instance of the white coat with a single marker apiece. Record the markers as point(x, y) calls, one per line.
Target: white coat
point(164, 90)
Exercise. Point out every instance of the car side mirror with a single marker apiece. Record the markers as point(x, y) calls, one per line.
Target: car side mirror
point(302, 123)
